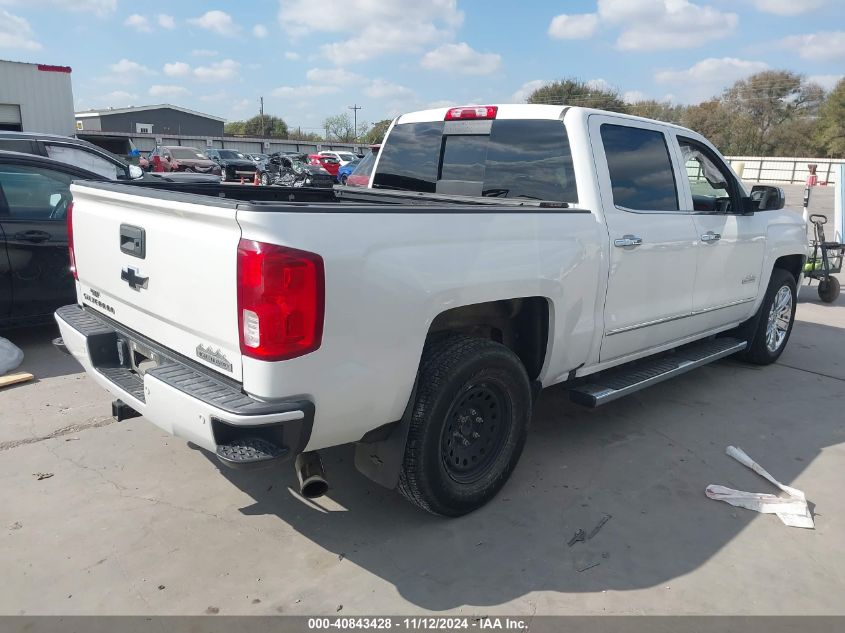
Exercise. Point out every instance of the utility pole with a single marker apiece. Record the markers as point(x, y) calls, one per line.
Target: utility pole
point(355, 109)
point(261, 101)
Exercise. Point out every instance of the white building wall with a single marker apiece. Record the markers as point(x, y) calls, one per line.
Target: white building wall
point(45, 97)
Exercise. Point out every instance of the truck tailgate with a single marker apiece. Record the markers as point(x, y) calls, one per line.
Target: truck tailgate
point(164, 267)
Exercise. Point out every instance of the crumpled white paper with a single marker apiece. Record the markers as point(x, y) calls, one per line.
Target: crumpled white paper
point(10, 355)
point(792, 509)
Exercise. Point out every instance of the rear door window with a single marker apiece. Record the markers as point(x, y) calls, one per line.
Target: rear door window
point(641, 174)
point(513, 159)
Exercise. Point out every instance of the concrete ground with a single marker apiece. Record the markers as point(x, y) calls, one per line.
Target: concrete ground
point(132, 521)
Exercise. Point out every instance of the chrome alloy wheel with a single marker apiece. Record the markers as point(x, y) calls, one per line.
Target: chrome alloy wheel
point(780, 316)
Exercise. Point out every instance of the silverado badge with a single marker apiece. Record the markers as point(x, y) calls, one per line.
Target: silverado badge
point(215, 357)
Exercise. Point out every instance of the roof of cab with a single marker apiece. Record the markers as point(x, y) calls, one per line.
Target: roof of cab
point(524, 111)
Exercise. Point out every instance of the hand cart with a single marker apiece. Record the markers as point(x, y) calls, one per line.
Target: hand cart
point(825, 261)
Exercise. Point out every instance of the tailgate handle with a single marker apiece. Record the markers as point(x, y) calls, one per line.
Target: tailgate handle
point(133, 241)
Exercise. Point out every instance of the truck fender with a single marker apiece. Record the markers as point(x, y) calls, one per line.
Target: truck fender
point(381, 459)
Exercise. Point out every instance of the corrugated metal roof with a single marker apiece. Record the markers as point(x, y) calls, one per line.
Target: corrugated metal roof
point(162, 106)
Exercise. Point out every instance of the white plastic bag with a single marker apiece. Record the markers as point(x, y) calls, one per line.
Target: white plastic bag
point(792, 509)
point(10, 356)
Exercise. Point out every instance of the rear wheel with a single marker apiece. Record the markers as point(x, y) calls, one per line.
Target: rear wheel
point(468, 426)
point(829, 289)
point(776, 317)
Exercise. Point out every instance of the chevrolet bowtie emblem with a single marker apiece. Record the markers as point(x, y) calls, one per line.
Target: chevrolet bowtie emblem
point(130, 276)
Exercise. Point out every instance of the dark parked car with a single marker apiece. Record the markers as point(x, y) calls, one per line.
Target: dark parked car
point(35, 276)
point(234, 164)
point(72, 151)
point(292, 170)
point(178, 158)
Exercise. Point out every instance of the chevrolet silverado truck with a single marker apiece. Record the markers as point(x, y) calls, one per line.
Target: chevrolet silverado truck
point(498, 250)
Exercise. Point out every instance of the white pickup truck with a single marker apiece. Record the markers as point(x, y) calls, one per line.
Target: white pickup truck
point(498, 250)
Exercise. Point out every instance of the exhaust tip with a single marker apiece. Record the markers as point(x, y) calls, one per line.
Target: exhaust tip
point(314, 487)
point(311, 475)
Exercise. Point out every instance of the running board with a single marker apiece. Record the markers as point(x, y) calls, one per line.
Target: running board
point(615, 383)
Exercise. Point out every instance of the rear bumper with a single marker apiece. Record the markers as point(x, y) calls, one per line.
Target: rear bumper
point(181, 397)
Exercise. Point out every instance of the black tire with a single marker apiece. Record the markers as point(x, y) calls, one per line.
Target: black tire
point(265, 179)
point(343, 179)
point(759, 350)
point(829, 289)
point(474, 401)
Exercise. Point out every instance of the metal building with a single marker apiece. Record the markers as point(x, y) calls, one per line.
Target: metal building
point(36, 98)
point(158, 120)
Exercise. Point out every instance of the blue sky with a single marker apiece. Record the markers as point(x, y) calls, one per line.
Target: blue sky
point(314, 58)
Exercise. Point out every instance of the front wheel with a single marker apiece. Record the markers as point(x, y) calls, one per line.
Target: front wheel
point(343, 179)
point(265, 179)
point(468, 425)
point(829, 289)
point(776, 318)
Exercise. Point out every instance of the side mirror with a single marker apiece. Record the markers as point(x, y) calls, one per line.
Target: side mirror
point(135, 172)
point(766, 198)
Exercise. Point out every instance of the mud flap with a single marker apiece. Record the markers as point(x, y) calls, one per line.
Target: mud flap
point(381, 460)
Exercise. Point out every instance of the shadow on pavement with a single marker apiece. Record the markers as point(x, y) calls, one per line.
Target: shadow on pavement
point(41, 358)
point(645, 460)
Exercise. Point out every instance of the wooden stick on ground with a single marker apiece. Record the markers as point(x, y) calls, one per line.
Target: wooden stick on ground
point(13, 379)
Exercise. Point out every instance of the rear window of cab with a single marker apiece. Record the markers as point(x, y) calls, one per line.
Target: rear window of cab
point(507, 158)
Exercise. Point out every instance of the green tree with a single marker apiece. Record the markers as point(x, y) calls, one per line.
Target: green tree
point(272, 126)
point(765, 101)
point(830, 134)
point(575, 92)
point(339, 128)
point(712, 120)
point(658, 110)
point(376, 133)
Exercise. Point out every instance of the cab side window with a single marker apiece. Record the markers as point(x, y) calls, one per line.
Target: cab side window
point(641, 174)
point(711, 183)
point(35, 193)
point(83, 158)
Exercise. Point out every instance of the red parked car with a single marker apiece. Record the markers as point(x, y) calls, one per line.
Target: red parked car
point(329, 163)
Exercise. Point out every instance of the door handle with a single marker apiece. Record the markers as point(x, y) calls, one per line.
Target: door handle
point(33, 236)
point(628, 241)
point(710, 236)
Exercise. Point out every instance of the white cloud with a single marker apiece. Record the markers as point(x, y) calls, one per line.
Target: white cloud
point(166, 21)
point(304, 92)
point(217, 71)
point(259, 30)
point(332, 76)
point(822, 46)
point(16, 33)
point(665, 24)
point(218, 22)
point(633, 96)
point(599, 84)
point(374, 27)
point(828, 82)
point(524, 91)
point(573, 27)
point(204, 52)
point(100, 8)
point(118, 98)
point(708, 77)
point(177, 69)
point(138, 22)
point(127, 67)
point(383, 89)
point(462, 59)
point(787, 7)
point(292, 55)
point(168, 92)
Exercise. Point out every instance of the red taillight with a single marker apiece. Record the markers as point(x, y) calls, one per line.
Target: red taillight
point(281, 298)
point(69, 217)
point(471, 112)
